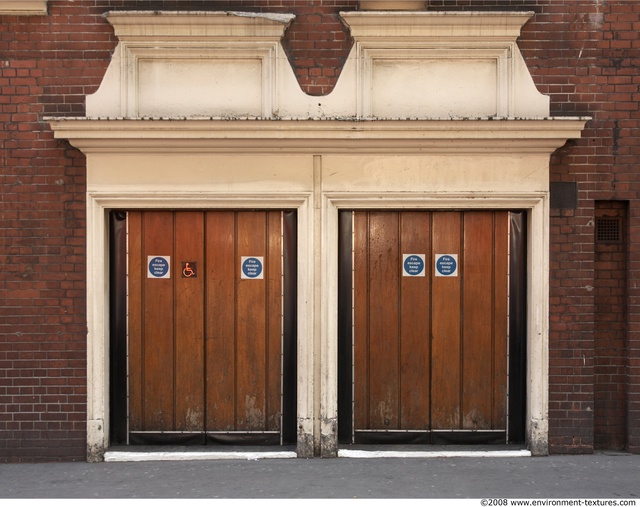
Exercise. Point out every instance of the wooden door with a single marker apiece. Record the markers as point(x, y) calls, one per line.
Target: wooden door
point(205, 342)
point(429, 324)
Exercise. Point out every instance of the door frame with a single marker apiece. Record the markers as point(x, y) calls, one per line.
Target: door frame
point(99, 206)
point(536, 206)
point(317, 305)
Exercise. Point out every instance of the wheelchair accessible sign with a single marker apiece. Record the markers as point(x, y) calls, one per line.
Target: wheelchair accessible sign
point(446, 264)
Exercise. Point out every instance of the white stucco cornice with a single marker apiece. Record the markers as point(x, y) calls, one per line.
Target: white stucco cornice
point(319, 136)
point(193, 25)
point(23, 7)
point(435, 25)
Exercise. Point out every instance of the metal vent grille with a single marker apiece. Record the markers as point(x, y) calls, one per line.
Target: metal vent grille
point(609, 230)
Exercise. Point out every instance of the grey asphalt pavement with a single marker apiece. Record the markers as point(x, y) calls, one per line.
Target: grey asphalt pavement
point(604, 475)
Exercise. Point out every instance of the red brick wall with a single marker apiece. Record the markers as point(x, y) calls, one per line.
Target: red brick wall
point(610, 352)
point(583, 54)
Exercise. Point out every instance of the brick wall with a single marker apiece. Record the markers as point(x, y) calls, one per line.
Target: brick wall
point(45, 68)
point(583, 54)
point(610, 330)
point(586, 64)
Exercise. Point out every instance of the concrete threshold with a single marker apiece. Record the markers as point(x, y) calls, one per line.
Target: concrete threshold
point(128, 456)
point(358, 453)
point(154, 453)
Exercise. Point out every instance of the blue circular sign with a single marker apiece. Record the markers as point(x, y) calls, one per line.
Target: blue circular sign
point(413, 265)
point(158, 267)
point(446, 265)
point(252, 267)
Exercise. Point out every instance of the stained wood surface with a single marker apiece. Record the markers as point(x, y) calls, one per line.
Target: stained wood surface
point(158, 326)
point(415, 324)
point(221, 272)
point(251, 337)
point(430, 352)
point(446, 325)
point(205, 351)
point(189, 322)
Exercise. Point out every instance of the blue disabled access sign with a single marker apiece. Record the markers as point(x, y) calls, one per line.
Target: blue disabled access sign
point(446, 265)
point(413, 264)
point(251, 268)
point(158, 266)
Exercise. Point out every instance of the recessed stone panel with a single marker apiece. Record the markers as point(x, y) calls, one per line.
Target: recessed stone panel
point(434, 88)
point(199, 87)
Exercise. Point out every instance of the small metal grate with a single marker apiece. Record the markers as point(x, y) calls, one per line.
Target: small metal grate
point(608, 230)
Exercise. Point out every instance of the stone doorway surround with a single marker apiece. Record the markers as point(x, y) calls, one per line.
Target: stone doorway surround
point(433, 110)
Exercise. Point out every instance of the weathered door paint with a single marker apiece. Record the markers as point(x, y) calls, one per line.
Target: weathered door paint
point(206, 339)
point(429, 344)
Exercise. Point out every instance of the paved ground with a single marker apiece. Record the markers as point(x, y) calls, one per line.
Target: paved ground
point(612, 476)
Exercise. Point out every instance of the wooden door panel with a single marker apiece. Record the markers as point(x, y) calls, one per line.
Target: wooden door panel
point(189, 321)
point(485, 321)
point(220, 321)
point(415, 238)
point(151, 325)
point(274, 313)
point(430, 352)
point(205, 349)
point(158, 327)
point(383, 339)
point(477, 315)
point(391, 353)
point(446, 326)
point(251, 328)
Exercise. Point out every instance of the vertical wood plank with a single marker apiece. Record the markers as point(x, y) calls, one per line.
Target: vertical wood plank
point(477, 362)
point(273, 275)
point(220, 320)
point(446, 329)
point(360, 319)
point(415, 325)
point(158, 325)
point(501, 259)
point(251, 326)
point(189, 319)
point(135, 274)
point(384, 271)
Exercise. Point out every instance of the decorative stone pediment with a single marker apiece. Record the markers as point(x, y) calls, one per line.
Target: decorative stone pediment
point(191, 64)
point(403, 65)
point(442, 65)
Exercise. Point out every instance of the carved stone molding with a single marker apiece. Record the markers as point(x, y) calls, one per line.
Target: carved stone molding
point(192, 64)
point(404, 65)
point(23, 7)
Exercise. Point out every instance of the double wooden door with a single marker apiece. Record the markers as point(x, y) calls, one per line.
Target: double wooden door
point(210, 343)
point(424, 326)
